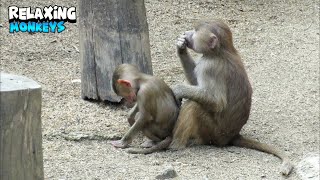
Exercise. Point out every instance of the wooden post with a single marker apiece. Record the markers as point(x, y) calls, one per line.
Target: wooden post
point(112, 32)
point(20, 128)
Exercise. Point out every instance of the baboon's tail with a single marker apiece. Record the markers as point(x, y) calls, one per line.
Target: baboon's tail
point(162, 145)
point(241, 141)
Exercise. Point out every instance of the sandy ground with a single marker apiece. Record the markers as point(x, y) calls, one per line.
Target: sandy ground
point(279, 43)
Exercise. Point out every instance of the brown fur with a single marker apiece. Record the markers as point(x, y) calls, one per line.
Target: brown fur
point(155, 112)
point(219, 93)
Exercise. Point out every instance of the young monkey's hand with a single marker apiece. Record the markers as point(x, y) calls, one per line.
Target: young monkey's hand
point(119, 144)
point(181, 42)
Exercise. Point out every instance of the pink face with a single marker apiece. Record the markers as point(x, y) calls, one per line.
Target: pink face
point(131, 97)
point(127, 92)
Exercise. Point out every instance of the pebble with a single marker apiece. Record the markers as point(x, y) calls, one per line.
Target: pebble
point(168, 173)
point(76, 81)
point(157, 163)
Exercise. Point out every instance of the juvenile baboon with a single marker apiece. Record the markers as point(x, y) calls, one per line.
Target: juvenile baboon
point(154, 113)
point(218, 94)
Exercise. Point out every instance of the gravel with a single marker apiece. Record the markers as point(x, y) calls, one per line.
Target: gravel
point(279, 44)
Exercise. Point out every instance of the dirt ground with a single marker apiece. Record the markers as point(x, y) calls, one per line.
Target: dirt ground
point(279, 44)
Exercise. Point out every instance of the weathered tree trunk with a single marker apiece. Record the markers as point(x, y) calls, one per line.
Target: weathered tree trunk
point(20, 128)
point(112, 32)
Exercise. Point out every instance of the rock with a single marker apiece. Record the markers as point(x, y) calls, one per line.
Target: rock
point(168, 173)
point(156, 163)
point(205, 177)
point(76, 81)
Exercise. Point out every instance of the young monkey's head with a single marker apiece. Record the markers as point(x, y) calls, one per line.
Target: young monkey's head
point(209, 37)
point(124, 83)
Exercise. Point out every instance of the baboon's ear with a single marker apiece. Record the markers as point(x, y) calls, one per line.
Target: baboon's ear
point(213, 41)
point(124, 83)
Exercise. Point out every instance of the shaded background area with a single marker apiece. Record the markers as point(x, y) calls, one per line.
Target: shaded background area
point(279, 44)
